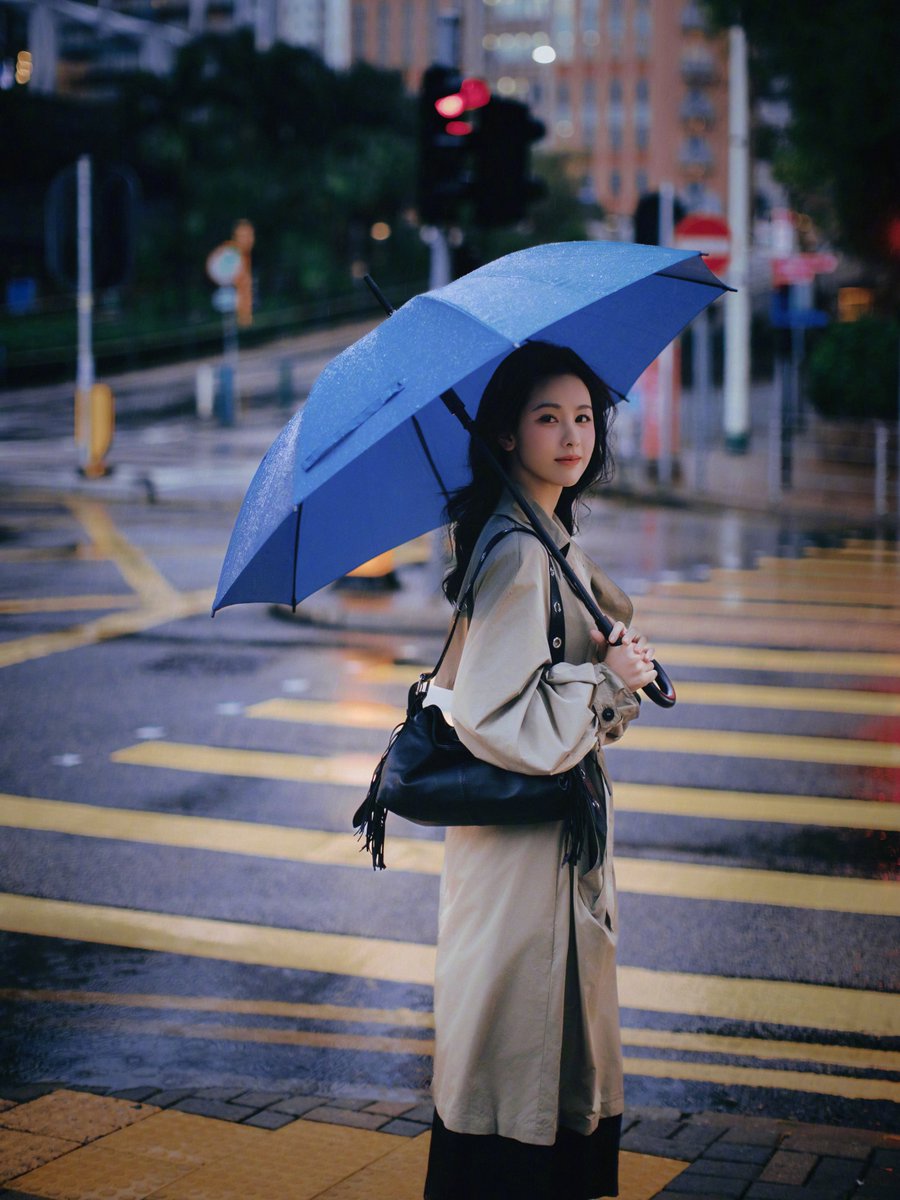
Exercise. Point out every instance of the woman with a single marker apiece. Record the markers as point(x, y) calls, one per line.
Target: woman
point(528, 1073)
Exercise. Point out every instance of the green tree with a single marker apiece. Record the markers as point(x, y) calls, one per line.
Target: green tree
point(836, 64)
point(852, 371)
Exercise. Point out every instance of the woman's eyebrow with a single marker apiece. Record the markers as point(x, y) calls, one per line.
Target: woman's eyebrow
point(553, 404)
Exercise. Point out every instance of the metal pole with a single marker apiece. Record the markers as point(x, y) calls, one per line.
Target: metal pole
point(737, 312)
point(700, 335)
point(881, 469)
point(439, 273)
point(775, 419)
point(85, 374)
point(667, 358)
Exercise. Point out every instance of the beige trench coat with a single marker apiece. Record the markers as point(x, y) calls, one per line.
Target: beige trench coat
point(525, 1002)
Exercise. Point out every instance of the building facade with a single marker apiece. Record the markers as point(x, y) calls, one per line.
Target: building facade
point(633, 92)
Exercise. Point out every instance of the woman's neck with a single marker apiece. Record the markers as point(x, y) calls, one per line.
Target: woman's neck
point(545, 496)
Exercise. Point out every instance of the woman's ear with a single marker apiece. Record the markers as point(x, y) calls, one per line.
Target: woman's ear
point(507, 441)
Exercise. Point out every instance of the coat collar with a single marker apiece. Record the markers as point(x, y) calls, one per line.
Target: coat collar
point(551, 524)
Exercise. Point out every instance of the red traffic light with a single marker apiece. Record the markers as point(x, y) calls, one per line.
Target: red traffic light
point(475, 93)
point(459, 128)
point(451, 106)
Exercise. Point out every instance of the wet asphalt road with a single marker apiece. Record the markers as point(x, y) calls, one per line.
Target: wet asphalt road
point(174, 916)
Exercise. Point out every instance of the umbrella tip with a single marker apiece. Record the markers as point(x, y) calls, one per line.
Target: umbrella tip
point(378, 294)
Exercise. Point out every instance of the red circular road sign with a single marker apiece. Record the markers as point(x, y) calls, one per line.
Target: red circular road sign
point(708, 233)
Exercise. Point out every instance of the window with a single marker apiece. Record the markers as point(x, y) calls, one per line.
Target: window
point(642, 114)
point(643, 28)
point(589, 109)
point(384, 33)
point(641, 183)
point(616, 27)
point(615, 183)
point(358, 31)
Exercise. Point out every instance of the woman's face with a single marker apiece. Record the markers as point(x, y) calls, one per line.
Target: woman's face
point(555, 437)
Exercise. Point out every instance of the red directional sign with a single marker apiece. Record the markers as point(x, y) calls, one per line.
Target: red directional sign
point(708, 233)
point(801, 268)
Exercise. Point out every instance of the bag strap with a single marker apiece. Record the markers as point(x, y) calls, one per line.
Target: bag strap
point(556, 626)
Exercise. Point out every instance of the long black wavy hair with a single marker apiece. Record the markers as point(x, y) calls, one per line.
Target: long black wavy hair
point(508, 391)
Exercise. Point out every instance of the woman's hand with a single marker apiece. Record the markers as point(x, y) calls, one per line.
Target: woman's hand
point(631, 658)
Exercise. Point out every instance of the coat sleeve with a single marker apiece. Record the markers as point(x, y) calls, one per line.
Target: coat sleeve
point(511, 706)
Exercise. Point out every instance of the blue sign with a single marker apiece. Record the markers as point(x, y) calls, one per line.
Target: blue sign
point(783, 315)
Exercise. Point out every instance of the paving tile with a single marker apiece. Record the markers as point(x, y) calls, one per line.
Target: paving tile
point(837, 1172)
point(399, 1175)
point(269, 1119)
point(258, 1099)
point(774, 1191)
point(351, 1102)
point(641, 1176)
point(887, 1158)
point(751, 1135)
point(26, 1091)
point(390, 1108)
point(647, 1145)
point(347, 1117)
point(298, 1105)
point(659, 1129)
point(7, 1195)
point(788, 1166)
point(183, 1137)
point(98, 1173)
point(75, 1116)
point(737, 1152)
point(300, 1161)
point(170, 1096)
point(21, 1152)
point(213, 1108)
point(727, 1170)
point(401, 1128)
point(218, 1093)
point(718, 1186)
point(655, 1112)
point(827, 1142)
point(137, 1093)
point(423, 1111)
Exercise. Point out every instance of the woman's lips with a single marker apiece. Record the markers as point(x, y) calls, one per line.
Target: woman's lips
point(571, 460)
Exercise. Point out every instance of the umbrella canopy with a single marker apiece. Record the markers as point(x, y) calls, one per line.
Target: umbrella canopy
point(368, 462)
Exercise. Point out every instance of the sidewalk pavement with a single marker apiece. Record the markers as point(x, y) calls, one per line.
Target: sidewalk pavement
point(228, 1144)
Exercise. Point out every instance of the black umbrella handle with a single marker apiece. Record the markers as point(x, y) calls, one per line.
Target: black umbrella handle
point(661, 691)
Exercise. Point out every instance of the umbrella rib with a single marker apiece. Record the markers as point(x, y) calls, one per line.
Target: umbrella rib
point(431, 462)
point(296, 552)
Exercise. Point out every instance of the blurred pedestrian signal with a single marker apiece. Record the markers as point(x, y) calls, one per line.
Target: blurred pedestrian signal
point(503, 183)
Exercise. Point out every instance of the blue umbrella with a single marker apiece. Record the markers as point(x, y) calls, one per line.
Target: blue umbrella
point(368, 462)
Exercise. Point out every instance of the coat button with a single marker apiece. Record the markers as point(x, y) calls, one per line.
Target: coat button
point(608, 714)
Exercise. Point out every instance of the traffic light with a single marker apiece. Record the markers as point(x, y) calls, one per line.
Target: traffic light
point(646, 218)
point(503, 186)
point(444, 135)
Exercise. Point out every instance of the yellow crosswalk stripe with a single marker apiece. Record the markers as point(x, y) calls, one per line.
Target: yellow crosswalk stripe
point(356, 769)
point(113, 625)
point(762, 1001)
point(49, 604)
point(648, 877)
point(795, 614)
point(828, 568)
point(781, 747)
point(691, 654)
point(850, 1057)
point(749, 585)
point(135, 568)
point(367, 715)
point(757, 806)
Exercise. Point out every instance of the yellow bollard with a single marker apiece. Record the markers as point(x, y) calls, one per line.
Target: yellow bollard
point(94, 426)
point(376, 575)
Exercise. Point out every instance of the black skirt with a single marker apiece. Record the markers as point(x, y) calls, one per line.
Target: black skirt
point(490, 1167)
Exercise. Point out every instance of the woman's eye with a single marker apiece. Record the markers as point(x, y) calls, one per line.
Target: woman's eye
point(584, 418)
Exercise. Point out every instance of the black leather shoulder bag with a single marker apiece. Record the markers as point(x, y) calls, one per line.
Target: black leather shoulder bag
point(429, 777)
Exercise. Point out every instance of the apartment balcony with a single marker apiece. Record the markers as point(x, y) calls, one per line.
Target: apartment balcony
point(699, 69)
point(698, 109)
